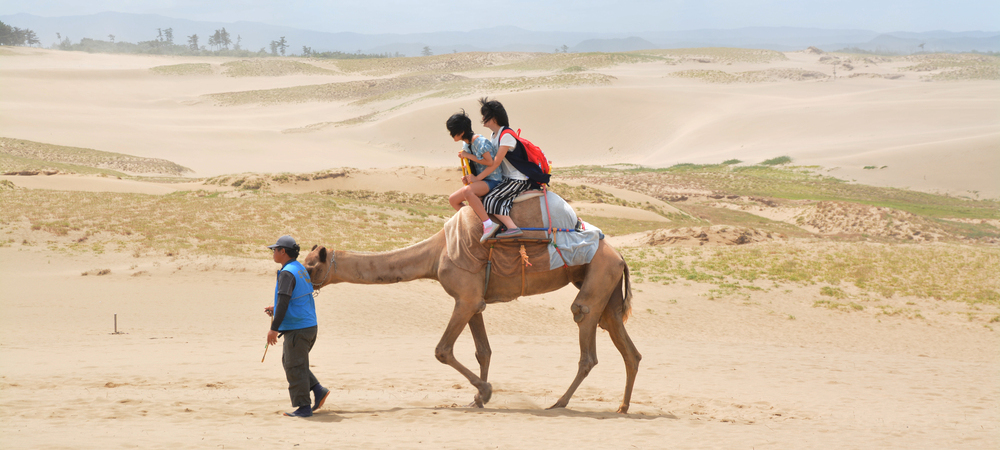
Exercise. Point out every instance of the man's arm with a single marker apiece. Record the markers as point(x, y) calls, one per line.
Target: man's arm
point(286, 284)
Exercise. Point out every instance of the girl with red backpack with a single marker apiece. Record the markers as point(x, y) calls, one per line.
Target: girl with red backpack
point(519, 173)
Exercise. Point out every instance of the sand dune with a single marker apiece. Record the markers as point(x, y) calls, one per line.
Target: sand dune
point(644, 116)
point(777, 366)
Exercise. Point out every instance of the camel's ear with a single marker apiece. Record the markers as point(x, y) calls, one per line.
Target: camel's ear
point(322, 254)
point(314, 247)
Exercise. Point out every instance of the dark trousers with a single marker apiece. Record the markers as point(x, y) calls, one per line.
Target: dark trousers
point(295, 360)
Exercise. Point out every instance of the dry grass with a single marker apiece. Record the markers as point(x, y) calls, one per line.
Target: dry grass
point(212, 223)
point(952, 67)
point(860, 271)
point(755, 76)
point(448, 63)
point(551, 62)
point(263, 181)
point(781, 183)
point(183, 69)
point(409, 86)
point(590, 194)
point(576, 62)
point(848, 276)
point(271, 68)
point(717, 55)
point(17, 155)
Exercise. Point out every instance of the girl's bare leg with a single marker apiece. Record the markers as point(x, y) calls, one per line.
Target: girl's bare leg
point(457, 198)
point(506, 221)
point(473, 192)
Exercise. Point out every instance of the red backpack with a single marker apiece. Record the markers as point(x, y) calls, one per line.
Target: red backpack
point(535, 154)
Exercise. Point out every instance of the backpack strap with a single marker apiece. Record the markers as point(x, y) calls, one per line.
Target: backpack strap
point(510, 131)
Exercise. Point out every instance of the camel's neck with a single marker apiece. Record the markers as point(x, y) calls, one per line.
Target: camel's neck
point(417, 261)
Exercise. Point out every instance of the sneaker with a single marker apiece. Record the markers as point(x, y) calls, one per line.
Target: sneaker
point(513, 232)
point(488, 233)
point(303, 411)
point(321, 394)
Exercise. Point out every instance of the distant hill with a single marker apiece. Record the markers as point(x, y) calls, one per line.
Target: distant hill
point(254, 36)
point(910, 43)
point(614, 45)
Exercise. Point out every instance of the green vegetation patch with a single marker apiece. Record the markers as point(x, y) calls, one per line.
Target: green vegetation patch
point(785, 182)
point(184, 69)
point(776, 161)
point(18, 155)
point(615, 226)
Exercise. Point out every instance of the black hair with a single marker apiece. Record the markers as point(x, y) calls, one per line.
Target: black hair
point(292, 252)
point(460, 123)
point(492, 109)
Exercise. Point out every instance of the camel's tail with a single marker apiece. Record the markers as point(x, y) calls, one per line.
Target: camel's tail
point(626, 296)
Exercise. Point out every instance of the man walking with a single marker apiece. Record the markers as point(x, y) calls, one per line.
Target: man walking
point(294, 317)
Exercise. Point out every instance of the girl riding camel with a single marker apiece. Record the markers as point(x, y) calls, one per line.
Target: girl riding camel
point(484, 167)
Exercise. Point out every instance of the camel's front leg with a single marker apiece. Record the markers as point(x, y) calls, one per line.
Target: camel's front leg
point(483, 352)
point(445, 352)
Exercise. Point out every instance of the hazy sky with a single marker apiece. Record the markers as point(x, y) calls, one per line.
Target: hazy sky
point(410, 16)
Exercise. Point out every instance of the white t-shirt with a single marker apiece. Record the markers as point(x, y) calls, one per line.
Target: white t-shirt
point(508, 169)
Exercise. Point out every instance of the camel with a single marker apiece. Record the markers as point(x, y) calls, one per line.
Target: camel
point(604, 299)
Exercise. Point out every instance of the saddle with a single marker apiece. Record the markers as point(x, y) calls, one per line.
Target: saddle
point(463, 230)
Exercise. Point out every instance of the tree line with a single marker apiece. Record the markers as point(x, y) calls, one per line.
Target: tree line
point(17, 36)
point(219, 43)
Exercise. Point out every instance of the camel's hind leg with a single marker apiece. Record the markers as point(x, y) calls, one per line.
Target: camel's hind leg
point(613, 321)
point(483, 352)
point(588, 308)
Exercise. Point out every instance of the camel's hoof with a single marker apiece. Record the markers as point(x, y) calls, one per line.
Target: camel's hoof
point(476, 403)
point(623, 409)
point(485, 393)
point(556, 406)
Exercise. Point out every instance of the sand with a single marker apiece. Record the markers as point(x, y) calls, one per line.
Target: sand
point(771, 371)
point(715, 374)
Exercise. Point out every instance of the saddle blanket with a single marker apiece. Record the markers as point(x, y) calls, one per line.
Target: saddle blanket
point(577, 247)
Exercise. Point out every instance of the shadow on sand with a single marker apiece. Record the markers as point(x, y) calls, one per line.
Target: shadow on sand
point(338, 415)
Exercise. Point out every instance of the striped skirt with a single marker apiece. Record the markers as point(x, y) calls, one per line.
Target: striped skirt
point(499, 200)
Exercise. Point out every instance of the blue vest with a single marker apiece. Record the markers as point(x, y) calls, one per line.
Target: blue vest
point(301, 308)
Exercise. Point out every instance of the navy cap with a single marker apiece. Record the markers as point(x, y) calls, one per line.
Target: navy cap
point(284, 241)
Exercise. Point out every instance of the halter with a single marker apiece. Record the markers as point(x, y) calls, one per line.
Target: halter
point(329, 270)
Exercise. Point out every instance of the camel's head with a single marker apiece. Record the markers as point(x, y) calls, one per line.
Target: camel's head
point(319, 264)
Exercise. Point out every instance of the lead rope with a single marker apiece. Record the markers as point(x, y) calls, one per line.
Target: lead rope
point(489, 266)
point(524, 263)
point(329, 270)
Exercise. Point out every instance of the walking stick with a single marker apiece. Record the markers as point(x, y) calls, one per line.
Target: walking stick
point(266, 343)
